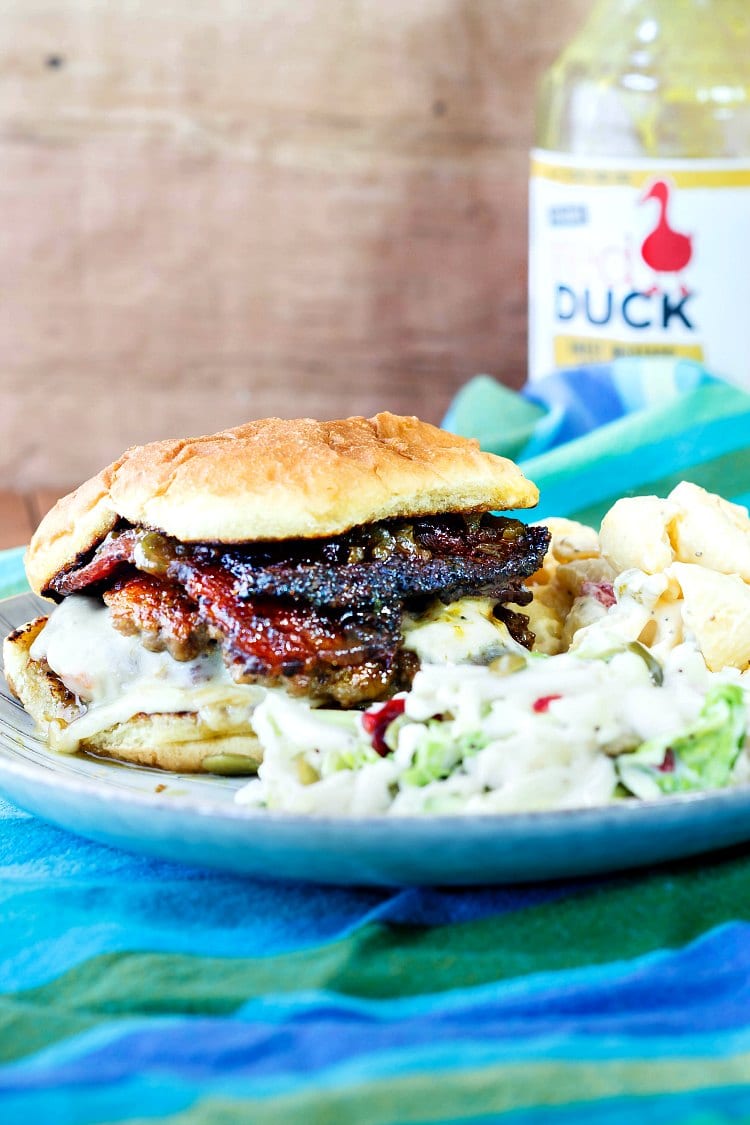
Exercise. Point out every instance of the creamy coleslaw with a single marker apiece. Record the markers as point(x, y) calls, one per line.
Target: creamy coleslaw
point(610, 720)
point(638, 686)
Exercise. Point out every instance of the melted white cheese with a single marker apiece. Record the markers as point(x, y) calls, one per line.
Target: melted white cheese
point(115, 677)
point(98, 663)
point(464, 632)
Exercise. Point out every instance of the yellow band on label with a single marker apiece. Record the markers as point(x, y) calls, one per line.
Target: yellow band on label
point(570, 351)
point(637, 177)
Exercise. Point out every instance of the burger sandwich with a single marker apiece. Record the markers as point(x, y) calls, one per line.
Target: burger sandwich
point(321, 559)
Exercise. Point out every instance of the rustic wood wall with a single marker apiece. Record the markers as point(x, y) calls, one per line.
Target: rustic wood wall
point(221, 209)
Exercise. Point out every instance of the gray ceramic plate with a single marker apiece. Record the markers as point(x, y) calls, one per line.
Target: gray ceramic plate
point(195, 820)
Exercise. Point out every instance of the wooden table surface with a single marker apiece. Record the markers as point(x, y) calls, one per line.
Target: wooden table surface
point(21, 512)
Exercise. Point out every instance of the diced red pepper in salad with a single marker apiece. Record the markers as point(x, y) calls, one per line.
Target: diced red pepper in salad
point(377, 722)
point(602, 592)
point(541, 704)
point(668, 764)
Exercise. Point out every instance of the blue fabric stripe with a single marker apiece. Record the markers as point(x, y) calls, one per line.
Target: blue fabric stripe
point(202, 1050)
point(144, 1097)
point(51, 879)
point(693, 1002)
point(54, 884)
point(100, 1098)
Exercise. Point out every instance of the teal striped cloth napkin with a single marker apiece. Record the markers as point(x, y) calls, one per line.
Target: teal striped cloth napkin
point(133, 990)
point(632, 428)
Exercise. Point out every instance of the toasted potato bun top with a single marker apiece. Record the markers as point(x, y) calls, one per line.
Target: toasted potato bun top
point(278, 479)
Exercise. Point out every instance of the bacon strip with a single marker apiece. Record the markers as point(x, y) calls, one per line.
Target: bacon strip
point(110, 557)
point(271, 636)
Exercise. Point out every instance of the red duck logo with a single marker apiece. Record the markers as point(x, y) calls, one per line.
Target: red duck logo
point(665, 250)
point(608, 287)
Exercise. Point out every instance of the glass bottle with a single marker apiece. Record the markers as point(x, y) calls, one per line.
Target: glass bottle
point(640, 189)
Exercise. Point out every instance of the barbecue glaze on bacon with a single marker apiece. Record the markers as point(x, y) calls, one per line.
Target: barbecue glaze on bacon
point(323, 616)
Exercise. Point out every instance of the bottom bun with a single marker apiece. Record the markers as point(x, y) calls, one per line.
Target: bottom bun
point(181, 742)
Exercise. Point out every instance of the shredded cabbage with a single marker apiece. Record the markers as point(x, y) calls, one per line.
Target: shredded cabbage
point(701, 757)
point(572, 730)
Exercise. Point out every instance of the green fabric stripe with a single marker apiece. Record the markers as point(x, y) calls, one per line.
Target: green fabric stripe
point(711, 475)
point(451, 1095)
point(612, 922)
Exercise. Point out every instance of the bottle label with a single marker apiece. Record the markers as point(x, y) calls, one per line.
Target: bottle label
point(639, 257)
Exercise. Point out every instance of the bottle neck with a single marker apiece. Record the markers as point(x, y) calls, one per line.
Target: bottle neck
point(706, 37)
point(653, 18)
point(664, 10)
point(653, 78)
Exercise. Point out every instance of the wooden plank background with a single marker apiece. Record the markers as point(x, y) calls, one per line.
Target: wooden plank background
point(217, 210)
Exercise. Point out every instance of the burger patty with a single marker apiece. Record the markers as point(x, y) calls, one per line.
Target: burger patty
point(160, 613)
point(350, 658)
point(323, 616)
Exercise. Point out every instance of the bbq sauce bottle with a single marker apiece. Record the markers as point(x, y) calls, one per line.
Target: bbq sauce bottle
point(640, 190)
